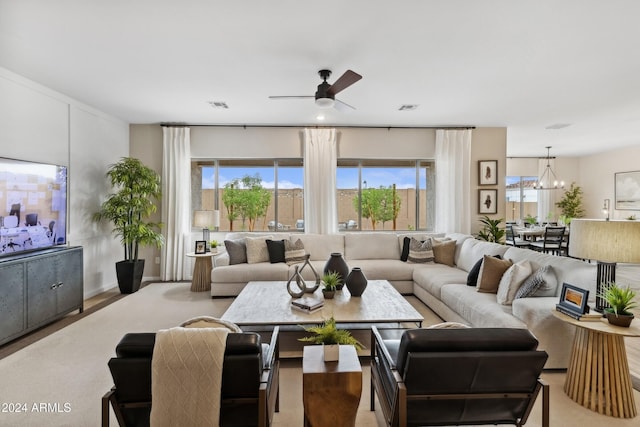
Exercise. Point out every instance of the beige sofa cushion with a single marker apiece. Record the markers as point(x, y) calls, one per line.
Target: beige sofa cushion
point(371, 246)
point(473, 250)
point(320, 246)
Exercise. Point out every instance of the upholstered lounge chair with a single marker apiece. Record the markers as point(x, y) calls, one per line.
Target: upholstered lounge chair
point(250, 380)
point(472, 376)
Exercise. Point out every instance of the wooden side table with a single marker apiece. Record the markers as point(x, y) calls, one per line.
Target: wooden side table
point(598, 375)
point(331, 390)
point(201, 280)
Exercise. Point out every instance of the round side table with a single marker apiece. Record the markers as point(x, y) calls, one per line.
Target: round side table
point(598, 374)
point(201, 280)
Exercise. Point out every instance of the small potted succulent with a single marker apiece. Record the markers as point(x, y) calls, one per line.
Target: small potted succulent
point(331, 338)
point(330, 282)
point(214, 245)
point(621, 302)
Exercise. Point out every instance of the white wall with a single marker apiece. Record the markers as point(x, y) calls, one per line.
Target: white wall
point(39, 124)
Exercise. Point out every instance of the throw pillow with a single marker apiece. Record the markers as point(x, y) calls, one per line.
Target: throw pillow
point(444, 251)
point(405, 249)
point(211, 322)
point(511, 281)
point(237, 251)
point(472, 277)
point(294, 252)
point(420, 252)
point(550, 285)
point(449, 325)
point(276, 250)
point(257, 249)
point(491, 272)
point(536, 282)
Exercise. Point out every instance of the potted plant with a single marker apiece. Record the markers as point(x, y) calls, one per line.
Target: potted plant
point(621, 301)
point(214, 245)
point(330, 282)
point(331, 338)
point(491, 231)
point(129, 209)
point(571, 203)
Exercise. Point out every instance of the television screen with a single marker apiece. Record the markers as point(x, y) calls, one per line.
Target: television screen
point(33, 206)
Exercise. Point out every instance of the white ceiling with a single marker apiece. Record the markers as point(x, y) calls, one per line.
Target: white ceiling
point(524, 65)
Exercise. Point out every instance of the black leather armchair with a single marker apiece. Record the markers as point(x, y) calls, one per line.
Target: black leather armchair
point(469, 376)
point(250, 380)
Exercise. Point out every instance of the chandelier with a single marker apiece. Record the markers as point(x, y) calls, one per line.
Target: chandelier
point(548, 180)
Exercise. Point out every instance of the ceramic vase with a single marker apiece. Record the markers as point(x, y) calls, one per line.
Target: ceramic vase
point(356, 282)
point(339, 265)
point(331, 352)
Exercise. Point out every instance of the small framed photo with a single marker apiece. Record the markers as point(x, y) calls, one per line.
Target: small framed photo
point(488, 172)
point(574, 299)
point(488, 201)
point(201, 246)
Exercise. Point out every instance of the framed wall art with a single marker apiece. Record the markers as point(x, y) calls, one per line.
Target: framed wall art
point(488, 201)
point(627, 190)
point(488, 172)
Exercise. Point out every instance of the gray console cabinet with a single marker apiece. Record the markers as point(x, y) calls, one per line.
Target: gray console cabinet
point(37, 288)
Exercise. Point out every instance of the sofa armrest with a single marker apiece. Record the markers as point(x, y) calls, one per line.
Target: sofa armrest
point(221, 260)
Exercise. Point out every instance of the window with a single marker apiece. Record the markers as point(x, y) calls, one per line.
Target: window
point(385, 194)
point(251, 195)
point(522, 198)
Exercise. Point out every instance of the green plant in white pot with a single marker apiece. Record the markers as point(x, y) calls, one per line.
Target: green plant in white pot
point(129, 208)
point(621, 301)
point(331, 337)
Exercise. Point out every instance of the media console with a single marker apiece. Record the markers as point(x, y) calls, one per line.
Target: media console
point(37, 288)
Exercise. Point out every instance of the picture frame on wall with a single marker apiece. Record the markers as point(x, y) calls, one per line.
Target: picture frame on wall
point(488, 201)
point(627, 189)
point(201, 247)
point(488, 172)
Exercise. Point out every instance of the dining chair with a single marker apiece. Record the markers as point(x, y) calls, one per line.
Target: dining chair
point(513, 240)
point(552, 241)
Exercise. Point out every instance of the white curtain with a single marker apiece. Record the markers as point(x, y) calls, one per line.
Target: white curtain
point(320, 162)
point(453, 181)
point(176, 201)
point(547, 198)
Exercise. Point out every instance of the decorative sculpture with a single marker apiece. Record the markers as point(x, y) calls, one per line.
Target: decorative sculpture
point(296, 278)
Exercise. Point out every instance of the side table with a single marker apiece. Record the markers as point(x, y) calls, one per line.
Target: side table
point(598, 374)
point(331, 390)
point(201, 280)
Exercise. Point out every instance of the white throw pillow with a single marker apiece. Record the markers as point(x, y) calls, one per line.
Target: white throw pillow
point(257, 250)
point(511, 281)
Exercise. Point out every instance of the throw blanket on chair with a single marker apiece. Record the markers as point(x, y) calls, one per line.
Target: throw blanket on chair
point(186, 376)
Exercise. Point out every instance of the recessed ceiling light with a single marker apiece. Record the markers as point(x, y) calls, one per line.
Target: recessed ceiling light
point(320, 117)
point(219, 104)
point(558, 126)
point(408, 107)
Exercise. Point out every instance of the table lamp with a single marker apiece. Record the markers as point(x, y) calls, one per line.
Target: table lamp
point(608, 242)
point(206, 219)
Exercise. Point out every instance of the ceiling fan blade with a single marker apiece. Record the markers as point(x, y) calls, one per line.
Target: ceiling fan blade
point(347, 79)
point(292, 97)
point(342, 106)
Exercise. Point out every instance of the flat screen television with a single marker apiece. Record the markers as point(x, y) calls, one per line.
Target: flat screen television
point(33, 206)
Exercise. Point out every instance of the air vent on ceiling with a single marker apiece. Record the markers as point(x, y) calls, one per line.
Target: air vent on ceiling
point(219, 104)
point(558, 126)
point(408, 107)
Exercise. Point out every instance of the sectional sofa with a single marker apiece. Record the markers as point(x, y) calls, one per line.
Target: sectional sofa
point(441, 285)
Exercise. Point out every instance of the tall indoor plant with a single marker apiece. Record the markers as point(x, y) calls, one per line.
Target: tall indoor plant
point(129, 209)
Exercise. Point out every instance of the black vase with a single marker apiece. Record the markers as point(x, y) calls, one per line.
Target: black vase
point(356, 282)
point(129, 274)
point(337, 264)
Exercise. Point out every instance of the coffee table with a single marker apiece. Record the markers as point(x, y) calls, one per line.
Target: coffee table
point(269, 304)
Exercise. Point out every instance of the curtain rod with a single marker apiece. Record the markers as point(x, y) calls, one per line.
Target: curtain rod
point(320, 127)
point(531, 157)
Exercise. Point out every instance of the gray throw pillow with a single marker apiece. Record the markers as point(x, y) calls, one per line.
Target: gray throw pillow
point(539, 284)
point(237, 251)
point(420, 252)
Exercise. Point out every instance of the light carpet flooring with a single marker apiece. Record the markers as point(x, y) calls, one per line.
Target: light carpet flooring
point(68, 369)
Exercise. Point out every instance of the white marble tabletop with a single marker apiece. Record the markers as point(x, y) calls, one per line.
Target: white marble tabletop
point(269, 303)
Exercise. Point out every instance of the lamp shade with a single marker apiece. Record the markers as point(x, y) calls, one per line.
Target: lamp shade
point(206, 219)
point(607, 241)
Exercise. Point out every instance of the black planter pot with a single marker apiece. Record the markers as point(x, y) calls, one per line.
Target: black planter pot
point(356, 282)
point(129, 275)
point(339, 265)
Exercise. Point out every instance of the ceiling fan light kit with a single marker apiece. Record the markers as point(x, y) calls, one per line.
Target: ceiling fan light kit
point(325, 96)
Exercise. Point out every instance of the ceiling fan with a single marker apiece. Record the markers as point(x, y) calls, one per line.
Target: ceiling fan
point(326, 94)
